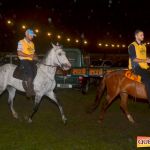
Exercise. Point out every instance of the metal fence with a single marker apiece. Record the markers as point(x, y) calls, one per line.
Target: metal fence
point(13, 59)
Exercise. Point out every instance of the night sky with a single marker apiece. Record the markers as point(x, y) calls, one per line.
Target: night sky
point(106, 21)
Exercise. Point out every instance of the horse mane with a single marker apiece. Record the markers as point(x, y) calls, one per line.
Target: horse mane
point(43, 60)
point(47, 54)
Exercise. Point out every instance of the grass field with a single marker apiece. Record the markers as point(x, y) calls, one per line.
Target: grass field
point(82, 132)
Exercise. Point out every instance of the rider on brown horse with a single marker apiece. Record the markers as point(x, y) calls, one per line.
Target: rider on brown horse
point(138, 60)
point(117, 84)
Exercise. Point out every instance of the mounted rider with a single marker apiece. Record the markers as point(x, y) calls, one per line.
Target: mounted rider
point(138, 60)
point(26, 54)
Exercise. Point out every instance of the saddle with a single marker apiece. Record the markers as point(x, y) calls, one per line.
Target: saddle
point(20, 74)
point(132, 76)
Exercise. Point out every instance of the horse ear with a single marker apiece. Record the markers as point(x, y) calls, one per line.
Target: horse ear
point(53, 45)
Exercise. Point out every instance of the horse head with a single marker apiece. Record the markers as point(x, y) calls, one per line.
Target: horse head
point(59, 57)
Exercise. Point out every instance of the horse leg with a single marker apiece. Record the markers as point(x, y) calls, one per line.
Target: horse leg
point(35, 108)
point(52, 96)
point(123, 105)
point(12, 92)
point(105, 106)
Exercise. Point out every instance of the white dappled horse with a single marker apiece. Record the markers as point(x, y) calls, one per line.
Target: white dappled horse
point(44, 82)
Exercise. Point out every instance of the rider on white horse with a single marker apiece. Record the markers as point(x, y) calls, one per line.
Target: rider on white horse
point(26, 53)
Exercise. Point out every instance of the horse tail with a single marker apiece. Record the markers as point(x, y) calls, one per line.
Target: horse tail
point(99, 94)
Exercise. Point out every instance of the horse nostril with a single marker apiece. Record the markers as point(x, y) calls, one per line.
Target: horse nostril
point(67, 65)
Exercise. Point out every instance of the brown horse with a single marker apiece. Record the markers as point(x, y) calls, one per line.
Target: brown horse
point(117, 84)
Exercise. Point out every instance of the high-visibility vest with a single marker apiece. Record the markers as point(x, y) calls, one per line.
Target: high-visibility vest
point(140, 50)
point(27, 48)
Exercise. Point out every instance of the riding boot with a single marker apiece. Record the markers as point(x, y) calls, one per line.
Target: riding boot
point(30, 89)
point(148, 94)
point(24, 84)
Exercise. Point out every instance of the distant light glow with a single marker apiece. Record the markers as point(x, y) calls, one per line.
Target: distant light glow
point(85, 42)
point(112, 45)
point(23, 27)
point(9, 22)
point(118, 45)
point(123, 45)
point(77, 41)
point(106, 45)
point(59, 37)
point(49, 34)
point(99, 44)
point(36, 30)
point(68, 39)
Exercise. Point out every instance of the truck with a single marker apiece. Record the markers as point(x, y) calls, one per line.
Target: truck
point(82, 74)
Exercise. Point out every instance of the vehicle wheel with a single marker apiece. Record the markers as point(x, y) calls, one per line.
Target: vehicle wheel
point(85, 88)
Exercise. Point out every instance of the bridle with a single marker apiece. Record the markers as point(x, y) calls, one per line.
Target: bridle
point(54, 66)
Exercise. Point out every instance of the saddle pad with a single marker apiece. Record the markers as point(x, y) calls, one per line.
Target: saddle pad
point(130, 75)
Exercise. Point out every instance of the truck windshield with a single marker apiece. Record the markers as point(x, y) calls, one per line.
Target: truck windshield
point(74, 56)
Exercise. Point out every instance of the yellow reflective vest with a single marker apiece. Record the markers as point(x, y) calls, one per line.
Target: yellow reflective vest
point(27, 48)
point(140, 50)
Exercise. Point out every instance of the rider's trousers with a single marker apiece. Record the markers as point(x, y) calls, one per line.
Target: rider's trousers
point(145, 76)
point(29, 68)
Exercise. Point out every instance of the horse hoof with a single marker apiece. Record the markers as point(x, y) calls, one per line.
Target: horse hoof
point(130, 119)
point(29, 120)
point(65, 121)
point(15, 115)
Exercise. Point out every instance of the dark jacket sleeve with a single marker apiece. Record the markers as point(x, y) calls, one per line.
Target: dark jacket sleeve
point(131, 51)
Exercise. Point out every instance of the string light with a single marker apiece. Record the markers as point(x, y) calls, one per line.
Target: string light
point(77, 41)
point(58, 36)
point(123, 45)
point(9, 22)
point(23, 27)
point(36, 30)
point(85, 42)
point(49, 34)
point(99, 44)
point(68, 39)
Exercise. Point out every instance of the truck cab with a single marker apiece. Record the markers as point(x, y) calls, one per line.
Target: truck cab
point(68, 79)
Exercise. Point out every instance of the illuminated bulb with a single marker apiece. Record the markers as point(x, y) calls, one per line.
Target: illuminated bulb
point(68, 39)
point(148, 43)
point(49, 34)
point(77, 41)
point(106, 45)
point(118, 45)
point(23, 27)
point(9, 22)
point(59, 37)
point(85, 42)
point(112, 45)
point(36, 30)
point(100, 44)
point(123, 45)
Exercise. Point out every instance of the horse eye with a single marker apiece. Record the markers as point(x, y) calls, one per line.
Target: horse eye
point(59, 54)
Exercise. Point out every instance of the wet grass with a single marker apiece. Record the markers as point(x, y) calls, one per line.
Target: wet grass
point(82, 132)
